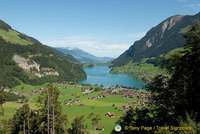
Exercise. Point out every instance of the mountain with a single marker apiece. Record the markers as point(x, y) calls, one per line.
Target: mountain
point(161, 39)
point(23, 58)
point(83, 56)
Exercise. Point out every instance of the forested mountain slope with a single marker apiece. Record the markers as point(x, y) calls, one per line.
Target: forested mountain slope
point(26, 59)
point(161, 39)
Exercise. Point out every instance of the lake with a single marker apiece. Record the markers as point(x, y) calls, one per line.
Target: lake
point(100, 75)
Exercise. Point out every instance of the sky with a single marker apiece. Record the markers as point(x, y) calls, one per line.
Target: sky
point(100, 27)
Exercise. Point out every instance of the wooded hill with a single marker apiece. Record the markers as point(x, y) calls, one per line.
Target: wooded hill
point(26, 59)
point(161, 39)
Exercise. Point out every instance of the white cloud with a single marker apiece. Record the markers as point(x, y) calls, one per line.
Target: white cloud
point(195, 7)
point(117, 46)
point(111, 47)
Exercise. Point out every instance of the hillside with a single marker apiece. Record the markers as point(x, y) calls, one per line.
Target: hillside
point(84, 57)
point(26, 59)
point(161, 39)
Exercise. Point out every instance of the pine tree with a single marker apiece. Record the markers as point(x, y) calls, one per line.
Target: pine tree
point(95, 120)
point(78, 126)
point(50, 111)
point(21, 120)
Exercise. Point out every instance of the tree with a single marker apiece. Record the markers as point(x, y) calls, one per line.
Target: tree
point(95, 120)
point(78, 126)
point(189, 121)
point(2, 98)
point(185, 74)
point(137, 118)
point(52, 120)
point(21, 120)
point(175, 95)
point(5, 126)
point(180, 92)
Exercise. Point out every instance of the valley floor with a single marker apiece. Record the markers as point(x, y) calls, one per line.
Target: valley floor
point(77, 99)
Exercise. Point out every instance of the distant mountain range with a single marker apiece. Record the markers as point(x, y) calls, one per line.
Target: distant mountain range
point(25, 59)
point(161, 39)
point(82, 56)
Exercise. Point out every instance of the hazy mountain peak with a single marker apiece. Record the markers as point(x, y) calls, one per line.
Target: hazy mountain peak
point(82, 56)
point(72, 48)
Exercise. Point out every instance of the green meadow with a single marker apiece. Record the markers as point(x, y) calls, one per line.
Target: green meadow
point(99, 106)
point(13, 37)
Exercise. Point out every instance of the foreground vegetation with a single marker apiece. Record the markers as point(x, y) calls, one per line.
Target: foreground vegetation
point(175, 101)
point(69, 93)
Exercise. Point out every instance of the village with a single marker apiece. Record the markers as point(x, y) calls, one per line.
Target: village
point(86, 98)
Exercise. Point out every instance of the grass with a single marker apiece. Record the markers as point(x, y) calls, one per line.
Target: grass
point(25, 88)
point(142, 70)
point(98, 106)
point(12, 37)
point(9, 108)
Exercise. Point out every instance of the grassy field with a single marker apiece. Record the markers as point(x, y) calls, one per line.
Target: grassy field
point(98, 106)
point(142, 69)
point(12, 37)
point(25, 88)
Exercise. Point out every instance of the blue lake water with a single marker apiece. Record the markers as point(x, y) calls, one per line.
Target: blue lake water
point(100, 75)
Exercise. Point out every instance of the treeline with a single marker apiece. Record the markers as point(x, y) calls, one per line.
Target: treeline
point(96, 64)
point(175, 100)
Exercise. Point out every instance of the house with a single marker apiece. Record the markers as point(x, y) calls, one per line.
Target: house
point(121, 110)
point(125, 106)
point(73, 94)
point(65, 87)
point(101, 128)
point(75, 101)
point(77, 85)
point(110, 114)
point(67, 103)
point(85, 89)
point(135, 101)
point(82, 105)
point(16, 109)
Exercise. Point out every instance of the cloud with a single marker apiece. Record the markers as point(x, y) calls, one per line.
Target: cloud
point(111, 46)
point(191, 4)
point(117, 46)
point(195, 7)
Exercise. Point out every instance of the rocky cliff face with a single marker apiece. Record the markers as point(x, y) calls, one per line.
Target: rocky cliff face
point(161, 39)
point(166, 26)
point(33, 67)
